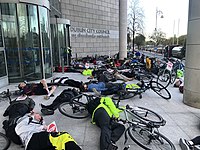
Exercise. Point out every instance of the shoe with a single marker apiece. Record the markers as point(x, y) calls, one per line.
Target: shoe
point(46, 97)
point(96, 92)
point(52, 95)
point(46, 111)
point(184, 144)
point(112, 146)
point(42, 105)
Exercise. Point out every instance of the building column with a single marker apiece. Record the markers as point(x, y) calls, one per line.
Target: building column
point(122, 29)
point(191, 95)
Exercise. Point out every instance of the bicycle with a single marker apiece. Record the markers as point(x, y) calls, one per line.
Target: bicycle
point(149, 83)
point(165, 74)
point(5, 95)
point(77, 107)
point(143, 125)
point(4, 142)
point(144, 119)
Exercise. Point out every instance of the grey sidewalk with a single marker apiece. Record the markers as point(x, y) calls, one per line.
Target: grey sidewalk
point(182, 120)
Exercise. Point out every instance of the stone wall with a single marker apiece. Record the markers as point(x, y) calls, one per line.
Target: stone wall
point(94, 26)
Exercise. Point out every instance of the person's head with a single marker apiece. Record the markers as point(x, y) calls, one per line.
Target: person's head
point(37, 117)
point(84, 87)
point(21, 85)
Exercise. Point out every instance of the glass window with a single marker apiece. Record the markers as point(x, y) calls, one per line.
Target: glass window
point(2, 64)
point(1, 37)
point(45, 30)
point(35, 40)
point(55, 51)
point(9, 24)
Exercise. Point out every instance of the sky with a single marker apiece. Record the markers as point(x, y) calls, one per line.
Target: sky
point(175, 16)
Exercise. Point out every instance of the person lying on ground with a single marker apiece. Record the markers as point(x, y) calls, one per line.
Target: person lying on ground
point(103, 110)
point(67, 82)
point(126, 75)
point(189, 144)
point(32, 130)
point(65, 96)
point(37, 89)
point(179, 82)
point(103, 87)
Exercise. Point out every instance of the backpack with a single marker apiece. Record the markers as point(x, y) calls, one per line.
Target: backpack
point(15, 110)
point(9, 127)
point(92, 105)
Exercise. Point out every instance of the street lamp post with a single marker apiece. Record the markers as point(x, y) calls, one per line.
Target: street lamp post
point(158, 13)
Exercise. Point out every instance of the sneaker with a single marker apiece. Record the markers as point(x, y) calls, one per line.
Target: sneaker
point(46, 97)
point(96, 92)
point(46, 111)
point(184, 144)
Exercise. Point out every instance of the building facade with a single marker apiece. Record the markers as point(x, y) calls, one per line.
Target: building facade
point(94, 26)
point(32, 31)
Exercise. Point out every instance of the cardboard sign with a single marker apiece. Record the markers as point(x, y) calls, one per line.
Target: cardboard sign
point(169, 66)
point(52, 127)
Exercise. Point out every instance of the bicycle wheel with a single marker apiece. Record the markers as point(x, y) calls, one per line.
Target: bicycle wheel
point(160, 90)
point(173, 76)
point(4, 142)
point(149, 141)
point(74, 110)
point(164, 77)
point(123, 96)
point(146, 114)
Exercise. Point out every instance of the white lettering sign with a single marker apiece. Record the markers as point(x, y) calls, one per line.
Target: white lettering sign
point(92, 33)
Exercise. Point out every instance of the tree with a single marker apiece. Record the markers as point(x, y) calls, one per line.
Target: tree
point(139, 40)
point(158, 37)
point(135, 19)
point(182, 39)
point(128, 38)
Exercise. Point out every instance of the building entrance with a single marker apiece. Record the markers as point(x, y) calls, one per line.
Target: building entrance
point(61, 49)
point(27, 41)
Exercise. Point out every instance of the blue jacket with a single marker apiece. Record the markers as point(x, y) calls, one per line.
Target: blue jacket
point(98, 86)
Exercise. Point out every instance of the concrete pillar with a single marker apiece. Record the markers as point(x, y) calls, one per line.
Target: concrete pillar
point(191, 95)
point(122, 29)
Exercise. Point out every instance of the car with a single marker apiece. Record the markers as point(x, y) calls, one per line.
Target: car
point(178, 52)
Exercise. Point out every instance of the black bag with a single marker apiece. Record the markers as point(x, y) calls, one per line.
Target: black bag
point(9, 127)
point(92, 105)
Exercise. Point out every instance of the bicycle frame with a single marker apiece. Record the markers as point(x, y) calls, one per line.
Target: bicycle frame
point(148, 127)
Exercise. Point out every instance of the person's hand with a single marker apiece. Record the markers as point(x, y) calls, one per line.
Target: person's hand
point(45, 127)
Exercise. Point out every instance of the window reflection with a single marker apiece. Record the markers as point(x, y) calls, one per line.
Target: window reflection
point(2, 64)
point(9, 22)
point(20, 24)
point(44, 25)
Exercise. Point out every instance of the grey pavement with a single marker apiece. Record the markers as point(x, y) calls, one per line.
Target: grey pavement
point(182, 120)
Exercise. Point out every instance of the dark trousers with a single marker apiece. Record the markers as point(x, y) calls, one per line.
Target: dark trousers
point(110, 130)
point(196, 140)
point(73, 83)
point(40, 141)
point(63, 97)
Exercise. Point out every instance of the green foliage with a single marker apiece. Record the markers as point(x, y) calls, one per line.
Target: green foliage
point(140, 40)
